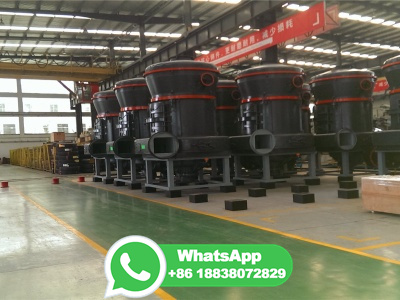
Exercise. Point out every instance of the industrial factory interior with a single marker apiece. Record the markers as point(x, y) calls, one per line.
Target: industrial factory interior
point(135, 133)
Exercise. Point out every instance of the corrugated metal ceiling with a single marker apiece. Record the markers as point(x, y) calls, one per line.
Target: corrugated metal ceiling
point(24, 36)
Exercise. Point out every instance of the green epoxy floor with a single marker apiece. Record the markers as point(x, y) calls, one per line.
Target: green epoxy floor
point(319, 272)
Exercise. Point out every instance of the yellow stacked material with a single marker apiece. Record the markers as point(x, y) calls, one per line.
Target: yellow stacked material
point(381, 193)
point(36, 158)
point(85, 137)
point(16, 157)
point(46, 166)
point(30, 158)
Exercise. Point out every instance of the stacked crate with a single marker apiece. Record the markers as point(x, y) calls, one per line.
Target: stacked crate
point(86, 161)
point(66, 158)
point(84, 138)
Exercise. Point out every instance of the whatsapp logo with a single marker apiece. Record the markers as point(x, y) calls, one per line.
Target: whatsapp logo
point(135, 267)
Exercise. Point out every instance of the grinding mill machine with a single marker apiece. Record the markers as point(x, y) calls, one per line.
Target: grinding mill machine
point(182, 119)
point(271, 124)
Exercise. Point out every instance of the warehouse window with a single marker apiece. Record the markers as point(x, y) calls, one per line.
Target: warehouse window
point(62, 128)
point(86, 123)
point(27, 107)
point(41, 125)
point(53, 107)
point(45, 86)
point(85, 107)
point(9, 129)
point(9, 125)
point(8, 85)
point(8, 104)
point(46, 105)
point(43, 103)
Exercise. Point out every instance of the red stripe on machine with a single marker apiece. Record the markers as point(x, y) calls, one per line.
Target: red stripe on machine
point(180, 69)
point(342, 77)
point(226, 86)
point(226, 107)
point(105, 115)
point(268, 73)
point(396, 91)
point(103, 97)
point(176, 97)
point(130, 108)
point(271, 98)
point(391, 64)
point(342, 100)
point(129, 85)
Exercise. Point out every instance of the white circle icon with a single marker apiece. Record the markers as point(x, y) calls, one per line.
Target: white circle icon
point(124, 260)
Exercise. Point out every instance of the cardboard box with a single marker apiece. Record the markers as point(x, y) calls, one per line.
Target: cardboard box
point(381, 193)
point(57, 136)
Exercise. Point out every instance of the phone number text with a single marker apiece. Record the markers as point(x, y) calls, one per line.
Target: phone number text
point(228, 273)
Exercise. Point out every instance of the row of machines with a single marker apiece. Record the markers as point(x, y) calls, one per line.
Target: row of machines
point(181, 127)
point(387, 143)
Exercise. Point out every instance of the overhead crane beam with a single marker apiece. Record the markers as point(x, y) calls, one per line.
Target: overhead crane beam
point(241, 14)
point(136, 19)
point(93, 40)
point(37, 71)
point(65, 58)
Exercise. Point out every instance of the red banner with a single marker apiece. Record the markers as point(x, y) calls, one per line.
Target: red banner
point(332, 21)
point(381, 85)
point(279, 32)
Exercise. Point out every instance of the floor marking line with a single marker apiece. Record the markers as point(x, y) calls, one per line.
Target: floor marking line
point(377, 246)
point(269, 220)
point(159, 292)
point(348, 238)
point(293, 236)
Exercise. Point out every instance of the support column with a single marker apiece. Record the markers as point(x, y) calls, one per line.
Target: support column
point(108, 167)
point(112, 54)
point(266, 168)
point(93, 114)
point(284, 57)
point(382, 170)
point(269, 55)
point(20, 108)
point(78, 116)
point(170, 173)
point(149, 172)
point(226, 175)
point(142, 43)
point(238, 166)
point(133, 169)
point(187, 15)
point(339, 52)
point(119, 168)
point(312, 164)
point(346, 163)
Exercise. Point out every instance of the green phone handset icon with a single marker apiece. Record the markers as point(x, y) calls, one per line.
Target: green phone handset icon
point(125, 260)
